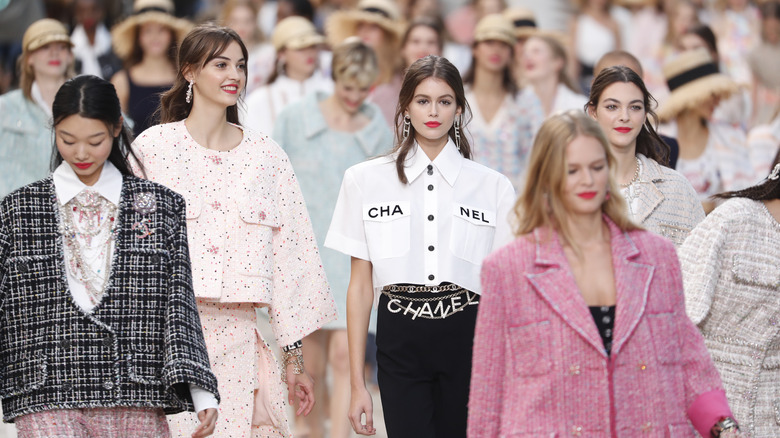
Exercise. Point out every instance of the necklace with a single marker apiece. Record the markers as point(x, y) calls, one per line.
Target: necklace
point(87, 217)
point(636, 174)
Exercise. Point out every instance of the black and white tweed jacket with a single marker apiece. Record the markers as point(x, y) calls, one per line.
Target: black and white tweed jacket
point(141, 346)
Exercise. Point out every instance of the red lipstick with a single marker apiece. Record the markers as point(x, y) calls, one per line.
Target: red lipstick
point(83, 166)
point(55, 62)
point(432, 124)
point(587, 195)
point(623, 130)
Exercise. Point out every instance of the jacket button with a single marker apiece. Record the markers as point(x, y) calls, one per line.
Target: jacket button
point(107, 341)
point(430, 187)
point(156, 259)
point(430, 217)
point(108, 385)
point(23, 267)
point(647, 427)
point(65, 343)
point(576, 430)
point(773, 321)
point(574, 370)
point(67, 387)
point(431, 277)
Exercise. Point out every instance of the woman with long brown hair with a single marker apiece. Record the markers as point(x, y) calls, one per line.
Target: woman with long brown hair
point(250, 237)
point(417, 224)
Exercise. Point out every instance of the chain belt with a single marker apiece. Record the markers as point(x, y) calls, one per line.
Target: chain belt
point(412, 288)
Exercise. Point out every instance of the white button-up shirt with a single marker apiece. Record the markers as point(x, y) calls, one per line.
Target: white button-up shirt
point(437, 228)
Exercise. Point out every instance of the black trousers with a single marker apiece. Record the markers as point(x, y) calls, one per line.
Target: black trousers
point(424, 367)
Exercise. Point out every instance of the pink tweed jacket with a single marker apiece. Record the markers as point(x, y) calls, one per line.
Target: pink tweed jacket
point(540, 368)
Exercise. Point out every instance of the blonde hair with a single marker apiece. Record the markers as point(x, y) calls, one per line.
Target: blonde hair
point(354, 61)
point(27, 72)
point(541, 203)
point(229, 6)
point(559, 51)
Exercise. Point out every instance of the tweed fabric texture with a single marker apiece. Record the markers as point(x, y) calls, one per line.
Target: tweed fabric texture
point(540, 368)
point(140, 346)
point(94, 423)
point(731, 269)
point(667, 203)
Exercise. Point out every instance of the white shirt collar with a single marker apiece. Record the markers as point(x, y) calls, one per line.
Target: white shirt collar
point(67, 184)
point(35, 92)
point(448, 162)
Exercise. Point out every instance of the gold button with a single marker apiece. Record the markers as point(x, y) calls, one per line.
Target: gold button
point(576, 430)
point(642, 365)
point(574, 370)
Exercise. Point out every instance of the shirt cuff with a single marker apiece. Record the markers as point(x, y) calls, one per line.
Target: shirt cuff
point(203, 399)
point(708, 409)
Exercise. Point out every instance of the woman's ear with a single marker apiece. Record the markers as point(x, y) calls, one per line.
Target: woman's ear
point(118, 127)
point(592, 111)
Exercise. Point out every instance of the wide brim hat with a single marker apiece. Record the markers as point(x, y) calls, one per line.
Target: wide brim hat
point(635, 3)
point(693, 78)
point(123, 35)
point(384, 13)
point(44, 32)
point(295, 33)
point(523, 20)
point(495, 27)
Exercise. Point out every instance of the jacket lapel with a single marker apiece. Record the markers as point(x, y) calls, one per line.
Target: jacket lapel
point(651, 197)
point(632, 281)
point(557, 287)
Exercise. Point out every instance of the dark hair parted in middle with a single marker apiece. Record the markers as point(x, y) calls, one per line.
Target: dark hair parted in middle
point(204, 43)
point(648, 142)
point(428, 67)
point(94, 98)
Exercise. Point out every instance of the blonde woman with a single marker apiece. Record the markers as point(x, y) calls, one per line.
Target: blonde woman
point(26, 139)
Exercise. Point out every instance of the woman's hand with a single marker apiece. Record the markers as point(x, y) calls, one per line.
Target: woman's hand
point(301, 387)
point(208, 419)
point(360, 403)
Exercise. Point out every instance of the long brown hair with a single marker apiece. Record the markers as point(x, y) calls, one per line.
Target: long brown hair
point(648, 142)
point(541, 204)
point(204, 43)
point(137, 53)
point(507, 79)
point(428, 67)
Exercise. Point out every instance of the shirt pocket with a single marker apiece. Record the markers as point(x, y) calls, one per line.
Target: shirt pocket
point(472, 233)
point(254, 245)
point(388, 229)
point(530, 348)
point(665, 337)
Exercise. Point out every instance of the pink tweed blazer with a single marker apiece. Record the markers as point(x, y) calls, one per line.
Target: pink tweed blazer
point(540, 368)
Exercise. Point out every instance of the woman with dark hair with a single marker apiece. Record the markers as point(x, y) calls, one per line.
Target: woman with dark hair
point(146, 42)
point(731, 283)
point(251, 241)
point(582, 328)
point(500, 127)
point(417, 224)
point(658, 198)
point(99, 332)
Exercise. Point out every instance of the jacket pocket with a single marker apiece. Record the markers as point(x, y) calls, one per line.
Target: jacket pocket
point(750, 269)
point(388, 229)
point(530, 347)
point(472, 233)
point(666, 340)
point(193, 203)
point(23, 373)
point(144, 365)
point(254, 245)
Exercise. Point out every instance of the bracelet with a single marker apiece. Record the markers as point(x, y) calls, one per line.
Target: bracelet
point(294, 357)
point(293, 346)
point(726, 424)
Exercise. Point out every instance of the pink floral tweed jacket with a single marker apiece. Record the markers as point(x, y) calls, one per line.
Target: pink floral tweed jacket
point(540, 367)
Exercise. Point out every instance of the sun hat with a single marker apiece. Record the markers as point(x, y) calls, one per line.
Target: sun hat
point(693, 78)
point(384, 13)
point(123, 35)
point(523, 20)
point(495, 27)
point(43, 32)
point(295, 33)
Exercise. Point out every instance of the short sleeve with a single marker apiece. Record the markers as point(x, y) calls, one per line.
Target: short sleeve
point(347, 233)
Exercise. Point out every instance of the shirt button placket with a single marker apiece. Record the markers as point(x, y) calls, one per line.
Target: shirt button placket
point(430, 228)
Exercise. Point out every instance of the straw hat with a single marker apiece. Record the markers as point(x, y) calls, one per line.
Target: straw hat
point(495, 27)
point(295, 33)
point(123, 35)
point(523, 20)
point(693, 78)
point(43, 32)
point(384, 13)
point(636, 3)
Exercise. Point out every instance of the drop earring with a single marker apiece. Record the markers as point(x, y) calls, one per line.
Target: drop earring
point(407, 127)
point(457, 133)
point(188, 96)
